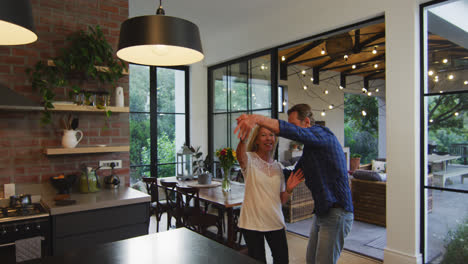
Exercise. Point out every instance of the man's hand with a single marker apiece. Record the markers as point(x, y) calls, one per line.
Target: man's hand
point(293, 180)
point(245, 123)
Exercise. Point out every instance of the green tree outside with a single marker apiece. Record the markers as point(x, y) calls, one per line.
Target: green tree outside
point(361, 132)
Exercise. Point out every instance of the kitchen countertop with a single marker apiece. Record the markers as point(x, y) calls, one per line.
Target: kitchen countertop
point(89, 201)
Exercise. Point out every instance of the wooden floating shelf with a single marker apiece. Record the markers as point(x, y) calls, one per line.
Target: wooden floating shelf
point(67, 107)
point(87, 108)
point(99, 68)
point(85, 150)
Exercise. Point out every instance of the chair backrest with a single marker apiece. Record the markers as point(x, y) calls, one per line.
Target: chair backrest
point(190, 194)
point(152, 187)
point(171, 193)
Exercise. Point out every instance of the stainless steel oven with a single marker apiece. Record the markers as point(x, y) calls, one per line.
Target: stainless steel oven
point(19, 226)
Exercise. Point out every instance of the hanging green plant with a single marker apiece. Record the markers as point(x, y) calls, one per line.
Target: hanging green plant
point(87, 56)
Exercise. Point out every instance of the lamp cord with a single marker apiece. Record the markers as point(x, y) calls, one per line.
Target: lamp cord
point(160, 10)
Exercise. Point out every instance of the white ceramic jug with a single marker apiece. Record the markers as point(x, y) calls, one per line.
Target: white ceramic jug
point(69, 139)
point(119, 97)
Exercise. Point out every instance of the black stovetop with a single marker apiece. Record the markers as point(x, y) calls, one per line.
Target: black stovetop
point(22, 212)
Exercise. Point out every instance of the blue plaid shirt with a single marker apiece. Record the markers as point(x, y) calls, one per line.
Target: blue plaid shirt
point(324, 165)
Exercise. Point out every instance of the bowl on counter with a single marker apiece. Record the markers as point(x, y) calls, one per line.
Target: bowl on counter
point(63, 183)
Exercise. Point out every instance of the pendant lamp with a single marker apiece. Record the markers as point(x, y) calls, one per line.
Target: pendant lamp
point(159, 40)
point(16, 22)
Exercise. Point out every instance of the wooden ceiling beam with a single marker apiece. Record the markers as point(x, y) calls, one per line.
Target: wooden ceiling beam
point(365, 72)
point(308, 60)
point(303, 50)
point(377, 58)
point(357, 41)
point(372, 39)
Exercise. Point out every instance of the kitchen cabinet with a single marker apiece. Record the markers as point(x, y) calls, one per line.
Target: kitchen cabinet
point(106, 216)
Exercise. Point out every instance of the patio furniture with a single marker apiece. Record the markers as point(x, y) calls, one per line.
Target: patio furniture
point(446, 171)
point(369, 196)
point(300, 206)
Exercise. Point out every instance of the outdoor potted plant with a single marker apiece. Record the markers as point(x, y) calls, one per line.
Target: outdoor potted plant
point(354, 162)
point(86, 57)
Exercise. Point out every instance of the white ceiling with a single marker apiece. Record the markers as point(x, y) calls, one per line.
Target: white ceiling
point(211, 16)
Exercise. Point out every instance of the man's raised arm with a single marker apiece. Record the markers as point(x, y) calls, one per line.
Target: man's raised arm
point(245, 123)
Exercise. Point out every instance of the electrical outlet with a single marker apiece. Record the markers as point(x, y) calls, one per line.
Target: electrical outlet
point(106, 164)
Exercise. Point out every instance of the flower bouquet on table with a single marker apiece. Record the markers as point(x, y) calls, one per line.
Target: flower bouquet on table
point(227, 157)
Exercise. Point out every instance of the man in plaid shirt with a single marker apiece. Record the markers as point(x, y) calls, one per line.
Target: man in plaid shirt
point(324, 165)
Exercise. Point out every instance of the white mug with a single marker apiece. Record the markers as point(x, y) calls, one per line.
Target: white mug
point(119, 97)
point(69, 139)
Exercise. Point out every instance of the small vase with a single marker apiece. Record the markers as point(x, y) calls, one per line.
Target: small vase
point(226, 180)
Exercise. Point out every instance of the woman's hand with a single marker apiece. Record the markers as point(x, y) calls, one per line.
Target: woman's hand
point(295, 178)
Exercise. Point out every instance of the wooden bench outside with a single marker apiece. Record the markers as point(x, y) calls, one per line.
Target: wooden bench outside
point(452, 171)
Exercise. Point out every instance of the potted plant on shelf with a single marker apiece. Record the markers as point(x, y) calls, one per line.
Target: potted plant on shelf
point(87, 56)
point(354, 162)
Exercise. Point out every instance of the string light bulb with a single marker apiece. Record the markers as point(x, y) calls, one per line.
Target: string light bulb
point(376, 65)
point(322, 52)
point(430, 72)
point(283, 58)
point(456, 114)
point(363, 113)
point(311, 79)
point(305, 87)
point(303, 72)
point(444, 60)
point(341, 87)
point(374, 51)
point(345, 57)
point(323, 113)
point(465, 82)
point(377, 90)
point(430, 120)
point(450, 77)
point(369, 93)
point(331, 106)
point(284, 103)
point(326, 91)
point(354, 66)
point(262, 67)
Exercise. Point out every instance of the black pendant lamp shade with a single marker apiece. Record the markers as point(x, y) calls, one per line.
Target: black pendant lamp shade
point(16, 22)
point(159, 40)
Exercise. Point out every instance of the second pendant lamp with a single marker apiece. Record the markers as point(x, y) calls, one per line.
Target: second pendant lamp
point(159, 40)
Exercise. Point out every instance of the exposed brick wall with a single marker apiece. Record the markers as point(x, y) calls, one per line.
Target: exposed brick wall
point(22, 138)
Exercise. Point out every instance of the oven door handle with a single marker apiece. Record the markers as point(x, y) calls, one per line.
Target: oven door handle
point(7, 245)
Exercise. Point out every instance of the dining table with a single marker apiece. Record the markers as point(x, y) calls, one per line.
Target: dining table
point(181, 246)
point(213, 193)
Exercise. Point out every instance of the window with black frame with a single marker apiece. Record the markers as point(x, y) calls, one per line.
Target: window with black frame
point(237, 88)
point(158, 120)
point(445, 129)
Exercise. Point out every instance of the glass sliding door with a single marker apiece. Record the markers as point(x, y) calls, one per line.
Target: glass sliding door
point(243, 86)
point(444, 93)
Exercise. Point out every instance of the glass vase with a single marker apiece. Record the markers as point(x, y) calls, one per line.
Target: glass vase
point(226, 179)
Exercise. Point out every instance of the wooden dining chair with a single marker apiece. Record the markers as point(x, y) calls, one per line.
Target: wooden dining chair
point(173, 203)
point(158, 206)
point(194, 217)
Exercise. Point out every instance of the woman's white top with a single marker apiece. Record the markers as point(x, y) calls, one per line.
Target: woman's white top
point(261, 209)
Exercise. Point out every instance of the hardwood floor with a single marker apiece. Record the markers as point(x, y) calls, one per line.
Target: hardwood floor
point(297, 248)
